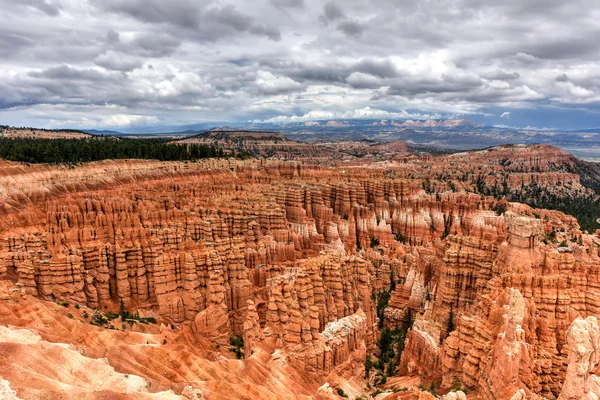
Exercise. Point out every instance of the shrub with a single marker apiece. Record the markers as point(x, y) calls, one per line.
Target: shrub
point(98, 319)
point(457, 385)
point(237, 345)
point(400, 238)
point(341, 393)
point(500, 208)
point(368, 366)
point(432, 388)
point(450, 324)
point(110, 316)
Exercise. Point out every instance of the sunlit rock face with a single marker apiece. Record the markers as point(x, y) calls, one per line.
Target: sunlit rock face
point(292, 257)
point(583, 342)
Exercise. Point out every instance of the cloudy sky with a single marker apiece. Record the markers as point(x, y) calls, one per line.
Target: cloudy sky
point(149, 64)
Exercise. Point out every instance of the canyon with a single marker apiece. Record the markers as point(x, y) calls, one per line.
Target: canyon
point(323, 270)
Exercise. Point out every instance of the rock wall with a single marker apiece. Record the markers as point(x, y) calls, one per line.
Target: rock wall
point(496, 348)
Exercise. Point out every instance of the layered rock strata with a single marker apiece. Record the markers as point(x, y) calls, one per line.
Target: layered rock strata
point(291, 256)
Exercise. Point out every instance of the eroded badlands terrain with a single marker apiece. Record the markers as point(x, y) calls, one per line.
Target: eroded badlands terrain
point(388, 275)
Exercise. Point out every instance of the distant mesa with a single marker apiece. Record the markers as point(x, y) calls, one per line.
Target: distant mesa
point(272, 144)
point(36, 133)
point(226, 134)
point(245, 142)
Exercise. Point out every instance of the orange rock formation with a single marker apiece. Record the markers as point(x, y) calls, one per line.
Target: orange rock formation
point(290, 256)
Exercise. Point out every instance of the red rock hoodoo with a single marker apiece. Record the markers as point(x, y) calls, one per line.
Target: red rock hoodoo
point(276, 279)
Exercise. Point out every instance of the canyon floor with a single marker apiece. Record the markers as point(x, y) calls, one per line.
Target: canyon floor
point(332, 270)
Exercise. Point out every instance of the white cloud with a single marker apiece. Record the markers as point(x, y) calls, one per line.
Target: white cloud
point(125, 120)
point(363, 113)
point(117, 61)
point(505, 114)
point(271, 84)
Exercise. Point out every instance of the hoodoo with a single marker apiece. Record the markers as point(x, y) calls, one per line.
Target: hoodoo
point(296, 279)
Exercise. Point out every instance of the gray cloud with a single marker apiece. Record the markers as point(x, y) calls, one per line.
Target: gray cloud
point(332, 12)
point(500, 75)
point(445, 84)
point(208, 21)
point(232, 59)
point(43, 6)
point(184, 13)
point(117, 61)
point(151, 45)
point(352, 28)
point(288, 3)
point(13, 43)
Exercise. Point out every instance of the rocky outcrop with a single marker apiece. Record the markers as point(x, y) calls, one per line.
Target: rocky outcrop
point(252, 330)
point(509, 368)
point(422, 351)
point(583, 341)
point(458, 395)
point(476, 278)
point(326, 294)
point(6, 392)
point(340, 348)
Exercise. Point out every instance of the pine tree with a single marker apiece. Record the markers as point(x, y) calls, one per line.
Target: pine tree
point(450, 326)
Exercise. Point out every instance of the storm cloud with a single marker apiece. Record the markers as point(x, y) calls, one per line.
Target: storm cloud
point(130, 63)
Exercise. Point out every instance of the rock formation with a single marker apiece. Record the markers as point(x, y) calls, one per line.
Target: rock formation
point(583, 341)
point(6, 392)
point(294, 257)
point(509, 369)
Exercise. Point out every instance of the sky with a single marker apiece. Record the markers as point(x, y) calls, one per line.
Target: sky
point(135, 65)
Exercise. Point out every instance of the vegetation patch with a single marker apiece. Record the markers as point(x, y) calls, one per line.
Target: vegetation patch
point(101, 148)
point(390, 345)
point(101, 319)
point(237, 346)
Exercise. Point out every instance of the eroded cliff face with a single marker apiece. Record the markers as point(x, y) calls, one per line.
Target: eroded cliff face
point(294, 258)
point(512, 298)
point(217, 249)
point(583, 344)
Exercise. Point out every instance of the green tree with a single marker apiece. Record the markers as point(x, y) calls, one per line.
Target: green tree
point(450, 324)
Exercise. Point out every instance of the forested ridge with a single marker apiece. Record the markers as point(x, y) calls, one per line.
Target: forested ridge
point(585, 207)
point(101, 148)
point(29, 128)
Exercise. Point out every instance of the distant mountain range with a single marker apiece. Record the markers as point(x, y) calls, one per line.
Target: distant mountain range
point(102, 132)
point(460, 134)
